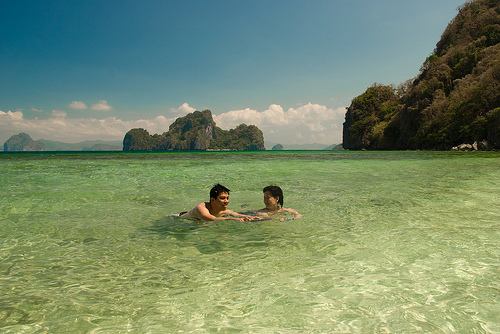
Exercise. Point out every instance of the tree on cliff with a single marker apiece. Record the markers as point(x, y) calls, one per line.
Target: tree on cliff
point(369, 116)
point(455, 99)
point(192, 132)
point(243, 137)
point(138, 140)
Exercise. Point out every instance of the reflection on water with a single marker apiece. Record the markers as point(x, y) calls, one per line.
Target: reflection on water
point(389, 242)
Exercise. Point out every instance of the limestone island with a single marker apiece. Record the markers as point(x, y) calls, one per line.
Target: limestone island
point(23, 143)
point(196, 131)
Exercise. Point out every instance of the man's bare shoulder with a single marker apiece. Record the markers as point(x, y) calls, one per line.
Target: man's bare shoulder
point(197, 210)
point(202, 205)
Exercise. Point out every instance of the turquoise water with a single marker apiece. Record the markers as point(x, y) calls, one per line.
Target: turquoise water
point(392, 242)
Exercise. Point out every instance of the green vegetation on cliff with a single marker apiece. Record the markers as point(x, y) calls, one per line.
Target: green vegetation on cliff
point(138, 140)
point(242, 138)
point(455, 99)
point(196, 131)
point(192, 132)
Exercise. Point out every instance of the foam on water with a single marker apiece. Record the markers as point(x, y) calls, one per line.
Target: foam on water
point(389, 242)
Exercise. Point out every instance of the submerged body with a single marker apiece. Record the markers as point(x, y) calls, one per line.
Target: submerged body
point(216, 209)
point(273, 200)
point(206, 211)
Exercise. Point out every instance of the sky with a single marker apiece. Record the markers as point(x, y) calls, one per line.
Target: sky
point(86, 70)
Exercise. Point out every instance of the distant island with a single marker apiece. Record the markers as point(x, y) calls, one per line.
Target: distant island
point(88, 145)
point(303, 147)
point(454, 103)
point(196, 131)
point(24, 143)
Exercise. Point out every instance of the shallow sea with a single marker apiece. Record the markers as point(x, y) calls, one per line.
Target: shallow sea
point(390, 242)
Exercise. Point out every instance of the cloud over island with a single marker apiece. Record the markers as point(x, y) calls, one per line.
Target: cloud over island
point(310, 123)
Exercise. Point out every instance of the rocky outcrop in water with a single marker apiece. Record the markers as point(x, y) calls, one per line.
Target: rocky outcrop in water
point(21, 143)
point(191, 132)
point(196, 131)
point(476, 146)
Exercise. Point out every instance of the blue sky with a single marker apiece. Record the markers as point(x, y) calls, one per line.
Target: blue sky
point(78, 70)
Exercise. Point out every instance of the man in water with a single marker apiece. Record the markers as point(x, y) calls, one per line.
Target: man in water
point(216, 209)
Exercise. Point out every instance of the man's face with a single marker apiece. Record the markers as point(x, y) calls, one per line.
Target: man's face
point(221, 202)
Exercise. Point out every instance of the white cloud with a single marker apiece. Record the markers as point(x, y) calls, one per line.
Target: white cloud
point(61, 128)
point(79, 105)
point(13, 117)
point(158, 124)
point(59, 114)
point(184, 109)
point(36, 110)
point(101, 106)
point(303, 125)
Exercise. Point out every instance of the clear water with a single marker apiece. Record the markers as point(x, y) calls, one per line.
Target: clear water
point(390, 242)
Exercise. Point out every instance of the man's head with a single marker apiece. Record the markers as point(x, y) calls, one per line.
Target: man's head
point(219, 197)
point(276, 192)
point(218, 189)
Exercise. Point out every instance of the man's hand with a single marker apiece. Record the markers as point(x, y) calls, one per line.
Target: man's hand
point(247, 218)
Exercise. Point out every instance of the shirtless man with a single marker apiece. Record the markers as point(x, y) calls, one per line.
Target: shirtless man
point(216, 209)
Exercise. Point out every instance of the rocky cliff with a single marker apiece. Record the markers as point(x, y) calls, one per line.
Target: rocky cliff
point(455, 99)
point(195, 131)
point(22, 142)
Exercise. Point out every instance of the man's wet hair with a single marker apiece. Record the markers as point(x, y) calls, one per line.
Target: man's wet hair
point(218, 189)
point(276, 192)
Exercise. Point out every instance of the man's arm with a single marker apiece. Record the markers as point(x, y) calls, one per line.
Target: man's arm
point(201, 211)
point(239, 215)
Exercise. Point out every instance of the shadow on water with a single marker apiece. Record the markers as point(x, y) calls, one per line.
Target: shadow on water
point(186, 231)
point(211, 237)
point(174, 226)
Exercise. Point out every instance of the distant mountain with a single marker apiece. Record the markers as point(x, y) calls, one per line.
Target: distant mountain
point(334, 147)
point(88, 145)
point(196, 131)
point(103, 147)
point(454, 100)
point(22, 143)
